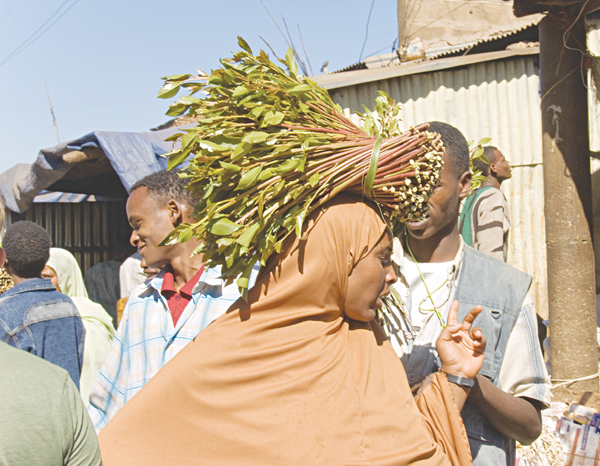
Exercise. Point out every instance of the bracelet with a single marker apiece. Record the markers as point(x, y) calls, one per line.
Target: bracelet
point(459, 380)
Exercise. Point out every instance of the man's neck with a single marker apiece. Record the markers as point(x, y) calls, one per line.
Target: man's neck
point(441, 247)
point(18, 280)
point(184, 266)
point(491, 181)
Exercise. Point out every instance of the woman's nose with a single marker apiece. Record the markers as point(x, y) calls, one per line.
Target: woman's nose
point(391, 276)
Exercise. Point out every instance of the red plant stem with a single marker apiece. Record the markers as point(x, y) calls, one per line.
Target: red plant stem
point(396, 164)
point(358, 153)
point(346, 122)
point(319, 130)
point(391, 152)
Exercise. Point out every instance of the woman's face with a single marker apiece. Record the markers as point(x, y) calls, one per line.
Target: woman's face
point(369, 281)
point(49, 273)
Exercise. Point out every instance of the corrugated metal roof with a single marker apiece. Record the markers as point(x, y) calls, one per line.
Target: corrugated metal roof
point(350, 78)
point(391, 59)
point(495, 98)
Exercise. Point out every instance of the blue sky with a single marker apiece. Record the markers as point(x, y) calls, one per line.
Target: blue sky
point(102, 61)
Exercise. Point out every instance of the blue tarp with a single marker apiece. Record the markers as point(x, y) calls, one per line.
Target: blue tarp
point(131, 156)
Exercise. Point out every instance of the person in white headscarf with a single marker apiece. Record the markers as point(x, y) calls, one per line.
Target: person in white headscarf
point(62, 268)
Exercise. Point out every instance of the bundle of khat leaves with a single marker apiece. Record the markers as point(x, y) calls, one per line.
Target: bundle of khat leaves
point(271, 147)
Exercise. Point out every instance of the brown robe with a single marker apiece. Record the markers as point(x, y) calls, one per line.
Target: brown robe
point(288, 379)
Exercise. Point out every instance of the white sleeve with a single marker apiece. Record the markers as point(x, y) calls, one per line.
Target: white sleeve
point(131, 274)
point(523, 371)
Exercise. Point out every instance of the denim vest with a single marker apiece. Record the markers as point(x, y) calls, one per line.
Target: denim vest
point(36, 318)
point(500, 289)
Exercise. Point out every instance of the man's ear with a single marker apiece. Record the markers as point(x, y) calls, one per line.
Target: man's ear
point(464, 184)
point(175, 212)
point(2, 257)
point(493, 171)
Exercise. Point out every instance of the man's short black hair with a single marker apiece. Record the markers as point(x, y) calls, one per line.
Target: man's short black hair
point(166, 185)
point(27, 247)
point(455, 144)
point(489, 152)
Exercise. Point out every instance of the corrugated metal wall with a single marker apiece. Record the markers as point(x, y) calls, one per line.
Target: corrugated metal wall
point(89, 230)
point(497, 99)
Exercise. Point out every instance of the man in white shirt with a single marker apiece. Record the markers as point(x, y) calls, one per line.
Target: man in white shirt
point(436, 268)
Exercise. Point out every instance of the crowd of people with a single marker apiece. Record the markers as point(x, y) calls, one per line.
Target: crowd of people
point(163, 362)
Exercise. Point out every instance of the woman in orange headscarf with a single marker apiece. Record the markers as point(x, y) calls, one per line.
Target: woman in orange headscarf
point(301, 374)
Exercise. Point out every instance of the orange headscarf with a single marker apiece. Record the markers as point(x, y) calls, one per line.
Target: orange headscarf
point(288, 379)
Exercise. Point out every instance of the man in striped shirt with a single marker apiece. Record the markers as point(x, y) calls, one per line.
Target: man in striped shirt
point(484, 221)
point(167, 311)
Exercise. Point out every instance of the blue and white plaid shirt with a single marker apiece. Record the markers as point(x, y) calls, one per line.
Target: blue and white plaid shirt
point(146, 338)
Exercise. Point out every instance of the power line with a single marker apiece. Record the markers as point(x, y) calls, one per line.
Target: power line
point(366, 32)
point(32, 38)
point(35, 32)
point(375, 53)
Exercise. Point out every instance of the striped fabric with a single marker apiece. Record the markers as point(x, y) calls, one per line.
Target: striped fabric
point(490, 223)
point(146, 339)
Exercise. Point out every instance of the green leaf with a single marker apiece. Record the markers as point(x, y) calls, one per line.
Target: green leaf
point(247, 236)
point(300, 89)
point(314, 179)
point(224, 227)
point(368, 185)
point(186, 235)
point(301, 164)
point(176, 109)
point(255, 137)
point(176, 77)
point(208, 191)
point(230, 167)
point(241, 149)
point(291, 63)
point(299, 221)
point(189, 139)
point(287, 166)
point(282, 148)
point(244, 279)
point(266, 174)
point(243, 44)
point(484, 141)
point(174, 137)
point(189, 100)
point(249, 178)
point(256, 112)
point(261, 205)
point(273, 118)
point(176, 157)
point(168, 90)
point(478, 154)
point(240, 91)
point(211, 146)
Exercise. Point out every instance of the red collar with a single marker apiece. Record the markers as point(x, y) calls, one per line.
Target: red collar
point(168, 283)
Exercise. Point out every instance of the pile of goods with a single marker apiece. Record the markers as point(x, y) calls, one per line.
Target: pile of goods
point(570, 436)
point(270, 147)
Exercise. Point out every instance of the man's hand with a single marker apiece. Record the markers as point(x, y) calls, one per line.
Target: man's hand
point(461, 346)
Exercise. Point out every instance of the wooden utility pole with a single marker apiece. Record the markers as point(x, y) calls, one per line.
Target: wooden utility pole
point(52, 112)
point(568, 204)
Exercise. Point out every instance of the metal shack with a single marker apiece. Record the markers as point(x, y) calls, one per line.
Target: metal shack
point(77, 190)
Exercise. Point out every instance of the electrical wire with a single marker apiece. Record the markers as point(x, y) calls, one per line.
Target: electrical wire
point(381, 50)
point(32, 38)
point(367, 31)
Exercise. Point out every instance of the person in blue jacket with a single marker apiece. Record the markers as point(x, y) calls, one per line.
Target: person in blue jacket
point(34, 316)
